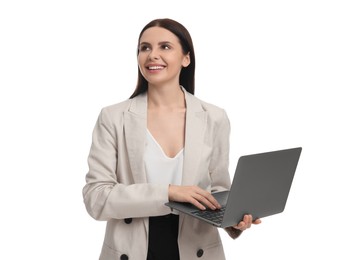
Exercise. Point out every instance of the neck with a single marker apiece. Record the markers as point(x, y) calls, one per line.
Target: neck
point(171, 96)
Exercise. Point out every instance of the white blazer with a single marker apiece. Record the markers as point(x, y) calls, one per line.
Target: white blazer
point(117, 191)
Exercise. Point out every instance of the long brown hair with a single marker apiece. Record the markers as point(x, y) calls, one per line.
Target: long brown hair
point(187, 75)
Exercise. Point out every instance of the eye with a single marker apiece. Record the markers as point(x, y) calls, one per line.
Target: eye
point(144, 48)
point(166, 47)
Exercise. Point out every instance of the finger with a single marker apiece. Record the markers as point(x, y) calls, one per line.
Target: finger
point(208, 199)
point(248, 221)
point(201, 199)
point(244, 223)
point(196, 203)
point(257, 221)
point(240, 225)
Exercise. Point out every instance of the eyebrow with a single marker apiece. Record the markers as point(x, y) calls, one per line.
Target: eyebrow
point(160, 43)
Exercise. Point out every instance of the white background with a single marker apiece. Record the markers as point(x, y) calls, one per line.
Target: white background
point(279, 68)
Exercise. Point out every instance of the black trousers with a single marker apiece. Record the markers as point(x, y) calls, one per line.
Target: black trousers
point(163, 235)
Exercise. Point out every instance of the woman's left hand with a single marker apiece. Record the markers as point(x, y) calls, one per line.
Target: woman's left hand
point(235, 231)
point(247, 222)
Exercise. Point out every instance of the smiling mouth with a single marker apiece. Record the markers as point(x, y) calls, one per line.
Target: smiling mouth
point(155, 67)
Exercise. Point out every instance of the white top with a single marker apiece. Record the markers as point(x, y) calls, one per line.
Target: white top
point(161, 169)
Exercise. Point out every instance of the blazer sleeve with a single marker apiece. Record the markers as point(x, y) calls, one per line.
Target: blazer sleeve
point(105, 196)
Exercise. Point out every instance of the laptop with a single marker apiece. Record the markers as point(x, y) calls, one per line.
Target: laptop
point(260, 187)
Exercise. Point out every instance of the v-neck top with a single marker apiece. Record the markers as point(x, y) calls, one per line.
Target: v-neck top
point(161, 169)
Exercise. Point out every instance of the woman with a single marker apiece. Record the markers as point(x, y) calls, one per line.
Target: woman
point(161, 144)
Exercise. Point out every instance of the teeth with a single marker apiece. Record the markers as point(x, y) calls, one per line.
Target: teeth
point(155, 67)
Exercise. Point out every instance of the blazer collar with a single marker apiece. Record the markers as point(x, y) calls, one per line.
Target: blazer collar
point(135, 135)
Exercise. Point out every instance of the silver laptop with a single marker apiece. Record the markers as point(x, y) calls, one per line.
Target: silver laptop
point(260, 187)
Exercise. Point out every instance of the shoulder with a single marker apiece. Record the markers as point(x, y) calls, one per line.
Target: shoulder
point(213, 111)
point(216, 119)
point(117, 108)
point(115, 114)
point(136, 105)
point(112, 115)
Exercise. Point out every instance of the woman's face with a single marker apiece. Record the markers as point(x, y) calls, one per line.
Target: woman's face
point(160, 57)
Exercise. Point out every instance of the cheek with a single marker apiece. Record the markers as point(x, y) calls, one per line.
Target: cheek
point(141, 61)
point(176, 63)
point(142, 57)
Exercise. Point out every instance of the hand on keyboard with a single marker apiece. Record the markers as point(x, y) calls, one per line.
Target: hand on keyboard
point(194, 195)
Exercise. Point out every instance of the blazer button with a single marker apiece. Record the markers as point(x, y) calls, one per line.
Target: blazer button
point(128, 220)
point(123, 257)
point(200, 253)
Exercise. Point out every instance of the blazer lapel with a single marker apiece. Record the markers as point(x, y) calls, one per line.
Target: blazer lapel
point(135, 134)
point(194, 138)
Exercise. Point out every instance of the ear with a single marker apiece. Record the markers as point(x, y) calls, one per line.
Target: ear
point(186, 60)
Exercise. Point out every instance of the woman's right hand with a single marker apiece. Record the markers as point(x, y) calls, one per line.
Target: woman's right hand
point(194, 195)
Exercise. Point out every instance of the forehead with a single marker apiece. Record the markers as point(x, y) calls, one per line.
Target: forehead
point(158, 34)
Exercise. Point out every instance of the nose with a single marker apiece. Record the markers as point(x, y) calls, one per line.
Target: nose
point(153, 55)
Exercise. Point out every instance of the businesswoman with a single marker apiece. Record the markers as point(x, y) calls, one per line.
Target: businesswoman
point(161, 144)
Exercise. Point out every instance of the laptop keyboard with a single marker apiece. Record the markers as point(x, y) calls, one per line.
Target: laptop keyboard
point(215, 216)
